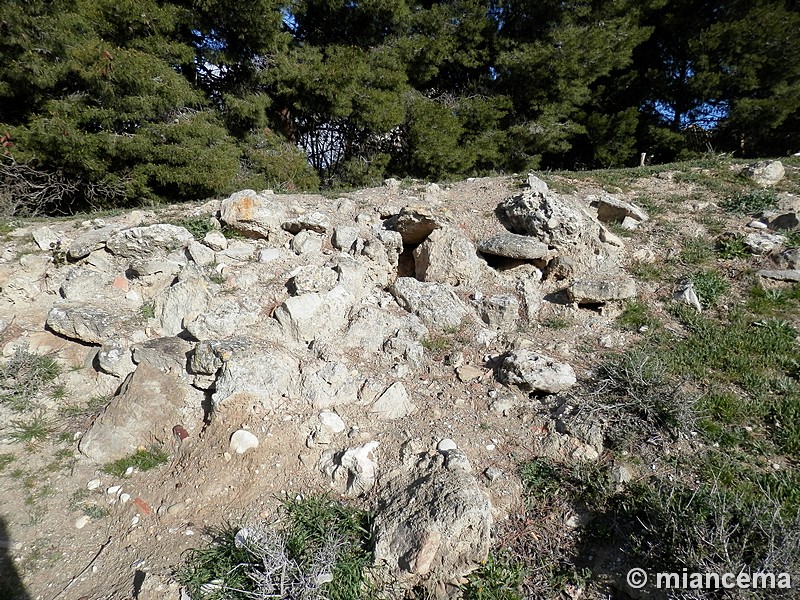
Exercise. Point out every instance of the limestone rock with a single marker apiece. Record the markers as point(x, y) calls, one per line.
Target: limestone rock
point(788, 259)
point(447, 256)
point(394, 403)
point(588, 291)
point(227, 316)
point(242, 441)
point(500, 312)
point(201, 254)
point(328, 384)
point(85, 284)
point(436, 304)
point(613, 210)
point(766, 173)
point(415, 223)
point(115, 359)
point(147, 401)
point(253, 214)
point(785, 275)
point(312, 278)
point(537, 372)
point(264, 377)
point(512, 245)
point(215, 240)
point(187, 298)
point(536, 185)
point(344, 237)
point(763, 243)
point(142, 242)
point(89, 323)
point(88, 242)
point(433, 528)
point(316, 221)
point(45, 238)
point(355, 469)
point(167, 354)
point(209, 356)
point(306, 242)
point(313, 315)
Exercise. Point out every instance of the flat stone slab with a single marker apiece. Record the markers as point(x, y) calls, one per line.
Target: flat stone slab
point(601, 290)
point(512, 245)
point(610, 209)
point(786, 275)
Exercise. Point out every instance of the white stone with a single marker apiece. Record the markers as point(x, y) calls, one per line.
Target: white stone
point(93, 484)
point(446, 445)
point(82, 522)
point(394, 403)
point(331, 421)
point(242, 441)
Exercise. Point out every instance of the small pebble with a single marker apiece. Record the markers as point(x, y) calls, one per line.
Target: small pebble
point(129, 471)
point(124, 498)
point(492, 473)
point(332, 421)
point(82, 522)
point(93, 484)
point(113, 490)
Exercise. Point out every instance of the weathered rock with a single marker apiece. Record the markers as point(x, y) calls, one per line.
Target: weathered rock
point(306, 242)
point(170, 268)
point(181, 303)
point(253, 214)
point(436, 304)
point(394, 403)
point(467, 373)
point(415, 223)
point(242, 441)
point(81, 283)
point(331, 421)
point(313, 315)
point(46, 238)
point(89, 323)
point(766, 173)
point(312, 278)
point(344, 237)
point(146, 402)
point(264, 377)
point(447, 256)
point(209, 356)
point(238, 251)
point(537, 372)
point(142, 242)
point(215, 240)
point(115, 359)
point(353, 470)
point(434, 527)
point(315, 221)
point(88, 242)
point(782, 221)
point(201, 254)
point(788, 259)
point(613, 210)
point(227, 316)
point(500, 312)
point(536, 185)
point(785, 275)
point(511, 245)
point(763, 243)
point(589, 291)
point(328, 384)
point(167, 354)
point(687, 295)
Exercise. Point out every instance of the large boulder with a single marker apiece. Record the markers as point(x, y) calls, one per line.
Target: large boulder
point(613, 210)
point(310, 316)
point(182, 302)
point(434, 303)
point(447, 256)
point(416, 223)
point(433, 527)
point(147, 404)
point(90, 241)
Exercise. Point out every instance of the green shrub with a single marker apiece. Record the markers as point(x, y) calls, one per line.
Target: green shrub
point(141, 460)
point(751, 203)
point(709, 286)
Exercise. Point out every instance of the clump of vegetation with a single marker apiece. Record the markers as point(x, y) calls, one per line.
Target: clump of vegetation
point(198, 226)
point(750, 203)
point(709, 286)
point(148, 310)
point(696, 251)
point(500, 578)
point(636, 315)
point(24, 376)
point(732, 247)
point(321, 550)
point(144, 459)
point(31, 431)
point(557, 323)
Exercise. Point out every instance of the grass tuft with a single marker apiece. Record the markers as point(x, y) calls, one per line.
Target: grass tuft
point(142, 460)
point(750, 203)
point(24, 376)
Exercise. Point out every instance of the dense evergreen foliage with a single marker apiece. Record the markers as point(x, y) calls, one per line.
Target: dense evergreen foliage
point(130, 101)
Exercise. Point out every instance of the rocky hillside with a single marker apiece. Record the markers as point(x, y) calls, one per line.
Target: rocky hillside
point(496, 368)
